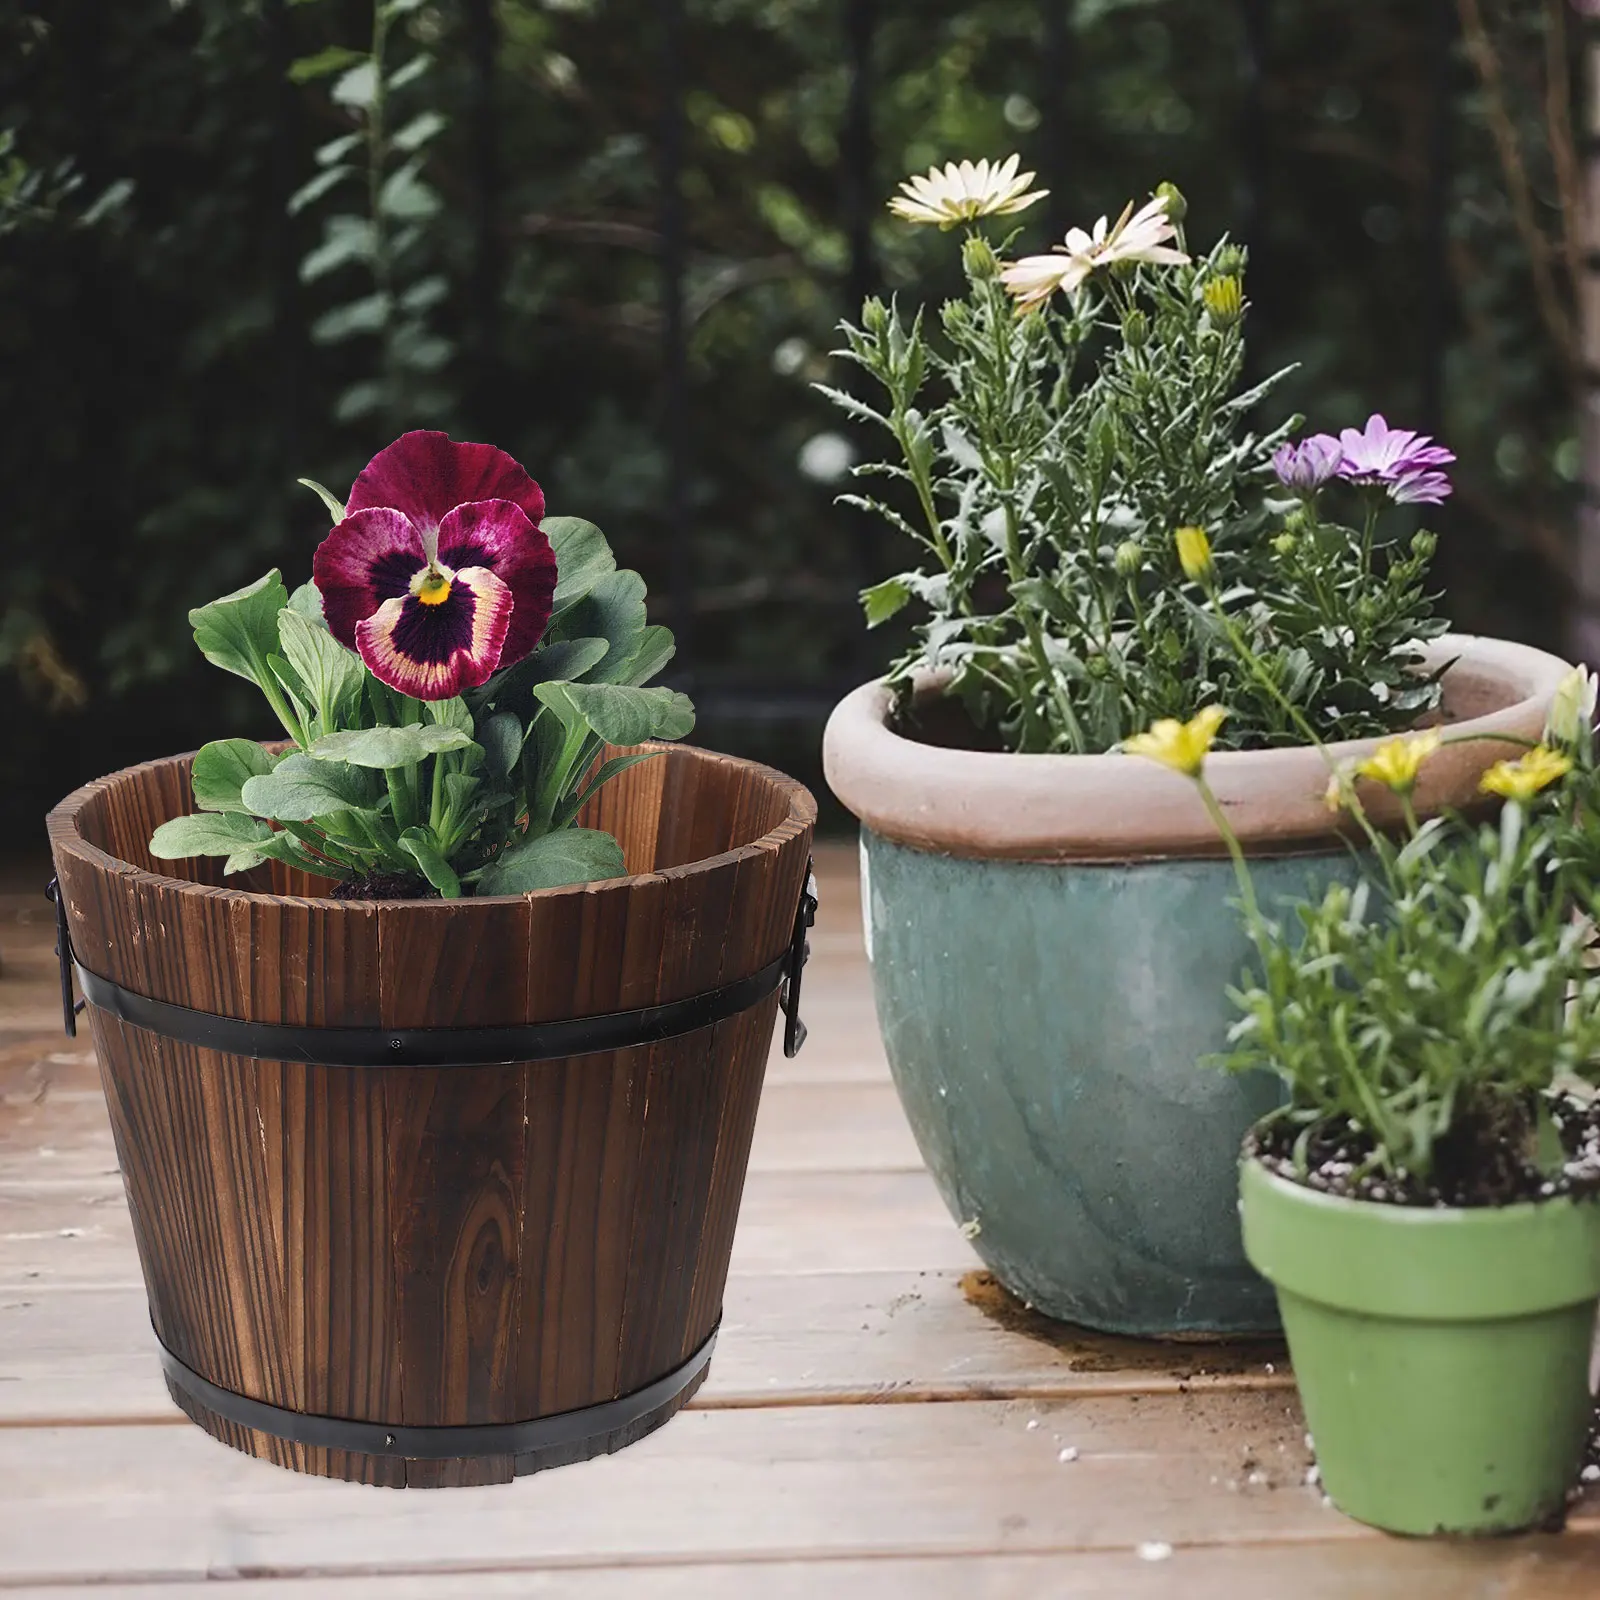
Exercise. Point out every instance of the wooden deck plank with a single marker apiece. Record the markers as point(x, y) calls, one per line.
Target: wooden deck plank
point(807, 1339)
point(782, 1484)
point(1540, 1568)
point(80, 1235)
point(64, 1135)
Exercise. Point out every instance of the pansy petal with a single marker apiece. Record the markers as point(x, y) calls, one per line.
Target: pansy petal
point(426, 474)
point(365, 560)
point(497, 535)
point(432, 652)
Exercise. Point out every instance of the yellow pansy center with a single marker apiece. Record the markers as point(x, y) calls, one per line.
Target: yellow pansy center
point(432, 585)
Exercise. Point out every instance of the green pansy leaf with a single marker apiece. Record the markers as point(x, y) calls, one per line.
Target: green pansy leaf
point(656, 648)
point(612, 610)
point(553, 860)
point(221, 770)
point(501, 737)
point(620, 714)
point(301, 789)
point(583, 557)
point(239, 631)
point(212, 833)
point(423, 848)
point(389, 747)
point(332, 675)
point(306, 601)
point(451, 713)
point(560, 661)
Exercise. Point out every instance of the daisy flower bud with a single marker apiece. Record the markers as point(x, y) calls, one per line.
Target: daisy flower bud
point(1194, 553)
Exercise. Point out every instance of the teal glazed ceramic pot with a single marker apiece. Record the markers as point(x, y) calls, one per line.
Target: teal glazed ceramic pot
point(1051, 941)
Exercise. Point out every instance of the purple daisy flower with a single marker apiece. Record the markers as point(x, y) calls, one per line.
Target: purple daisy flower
point(1381, 454)
point(1306, 466)
point(1420, 488)
point(439, 573)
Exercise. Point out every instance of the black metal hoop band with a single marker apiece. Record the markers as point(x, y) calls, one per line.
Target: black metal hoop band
point(560, 1431)
point(446, 1047)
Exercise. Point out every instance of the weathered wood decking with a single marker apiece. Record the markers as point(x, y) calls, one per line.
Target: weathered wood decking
point(880, 1420)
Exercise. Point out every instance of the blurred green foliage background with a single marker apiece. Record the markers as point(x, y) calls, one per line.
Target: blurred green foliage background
point(176, 347)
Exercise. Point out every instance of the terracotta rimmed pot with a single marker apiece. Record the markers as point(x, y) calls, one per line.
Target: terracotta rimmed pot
point(426, 1192)
point(1051, 941)
point(1442, 1354)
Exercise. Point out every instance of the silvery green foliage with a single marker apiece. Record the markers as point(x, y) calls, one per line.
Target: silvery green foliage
point(1427, 1013)
point(1043, 463)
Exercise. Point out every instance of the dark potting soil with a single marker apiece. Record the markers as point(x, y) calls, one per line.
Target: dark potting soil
point(385, 886)
point(1486, 1160)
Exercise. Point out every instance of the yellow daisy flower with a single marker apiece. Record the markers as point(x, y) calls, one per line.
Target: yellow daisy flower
point(1396, 762)
point(1183, 746)
point(1524, 778)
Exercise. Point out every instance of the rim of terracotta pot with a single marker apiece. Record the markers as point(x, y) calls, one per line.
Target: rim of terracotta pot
point(980, 803)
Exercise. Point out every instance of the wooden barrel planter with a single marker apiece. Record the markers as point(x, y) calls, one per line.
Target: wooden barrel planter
point(431, 1193)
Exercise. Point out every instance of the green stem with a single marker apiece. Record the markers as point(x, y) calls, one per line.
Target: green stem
point(436, 808)
point(400, 799)
point(1241, 872)
point(1242, 649)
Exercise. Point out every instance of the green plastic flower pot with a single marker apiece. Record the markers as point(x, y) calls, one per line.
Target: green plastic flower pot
point(1442, 1355)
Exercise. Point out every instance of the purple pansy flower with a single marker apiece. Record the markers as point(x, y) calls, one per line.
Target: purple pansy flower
point(1397, 459)
point(439, 572)
point(1306, 466)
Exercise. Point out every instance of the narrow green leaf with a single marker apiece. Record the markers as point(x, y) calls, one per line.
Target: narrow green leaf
point(411, 71)
point(366, 315)
point(357, 87)
point(336, 58)
point(315, 188)
point(423, 848)
point(553, 860)
point(419, 130)
point(223, 767)
point(337, 149)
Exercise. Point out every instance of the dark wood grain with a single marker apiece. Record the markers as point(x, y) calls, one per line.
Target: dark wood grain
point(445, 1246)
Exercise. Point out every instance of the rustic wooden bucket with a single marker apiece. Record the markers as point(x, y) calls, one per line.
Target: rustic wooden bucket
point(438, 1273)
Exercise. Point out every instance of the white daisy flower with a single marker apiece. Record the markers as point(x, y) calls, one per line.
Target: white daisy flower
point(1136, 236)
point(961, 192)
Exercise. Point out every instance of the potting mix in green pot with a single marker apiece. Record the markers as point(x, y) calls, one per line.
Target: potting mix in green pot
point(1424, 1202)
point(1111, 537)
